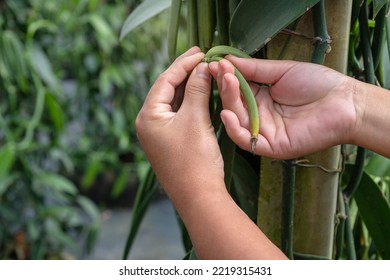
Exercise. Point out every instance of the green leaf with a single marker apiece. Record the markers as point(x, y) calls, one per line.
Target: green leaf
point(245, 186)
point(145, 11)
point(378, 5)
point(64, 158)
point(91, 237)
point(55, 111)
point(55, 233)
point(228, 150)
point(191, 255)
point(375, 211)
point(92, 171)
point(58, 183)
point(255, 22)
point(12, 59)
point(60, 213)
point(378, 166)
point(7, 159)
point(89, 208)
point(144, 196)
point(43, 67)
point(121, 182)
point(104, 33)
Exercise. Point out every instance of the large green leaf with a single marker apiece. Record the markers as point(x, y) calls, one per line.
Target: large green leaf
point(143, 198)
point(375, 211)
point(144, 12)
point(245, 186)
point(255, 22)
point(378, 166)
point(378, 4)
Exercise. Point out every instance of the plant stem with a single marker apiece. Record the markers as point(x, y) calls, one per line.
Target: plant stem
point(340, 232)
point(4, 127)
point(366, 46)
point(192, 24)
point(34, 122)
point(288, 209)
point(355, 11)
point(173, 28)
point(357, 173)
point(322, 37)
point(379, 35)
point(349, 245)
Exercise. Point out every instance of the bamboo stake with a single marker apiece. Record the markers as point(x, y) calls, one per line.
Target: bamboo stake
point(316, 189)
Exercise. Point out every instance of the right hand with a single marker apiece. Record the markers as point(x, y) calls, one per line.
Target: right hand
point(305, 108)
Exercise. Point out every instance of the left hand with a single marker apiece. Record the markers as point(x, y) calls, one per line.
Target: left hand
point(175, 130)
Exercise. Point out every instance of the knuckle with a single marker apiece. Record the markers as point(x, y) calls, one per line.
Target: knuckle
point(197, 88)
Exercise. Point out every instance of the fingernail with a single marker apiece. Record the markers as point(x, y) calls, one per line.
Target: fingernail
point(202, 70)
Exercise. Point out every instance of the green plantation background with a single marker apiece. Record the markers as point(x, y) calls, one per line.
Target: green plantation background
point(69, 94)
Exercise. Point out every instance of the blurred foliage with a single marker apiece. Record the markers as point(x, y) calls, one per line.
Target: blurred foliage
point(69, 95)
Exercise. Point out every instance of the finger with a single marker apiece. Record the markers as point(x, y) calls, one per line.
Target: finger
point(224, 67)
point(163, 90)
point(197, 94)
point(242, 136)
point(231, 95)
point(213, 67)
point(239, 134)
point(262, 70)
point(231, 98)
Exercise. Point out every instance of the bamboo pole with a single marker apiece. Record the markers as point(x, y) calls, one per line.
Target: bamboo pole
point(316, 188)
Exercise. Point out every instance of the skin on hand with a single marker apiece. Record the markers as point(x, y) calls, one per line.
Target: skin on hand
point(303, 107)
point(174, 128)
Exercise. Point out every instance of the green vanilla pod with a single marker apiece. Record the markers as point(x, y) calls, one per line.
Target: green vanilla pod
point(216, 54)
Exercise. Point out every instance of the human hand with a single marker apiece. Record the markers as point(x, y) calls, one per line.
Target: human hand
point(174, 126)
point(303, 108)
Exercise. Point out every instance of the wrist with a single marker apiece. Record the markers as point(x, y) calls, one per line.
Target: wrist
point(188, 193)
point(186, 180)
point(373, 120)
point(359, 101)
point(347, 110)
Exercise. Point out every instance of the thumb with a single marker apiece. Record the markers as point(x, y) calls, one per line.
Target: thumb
point(197, 91)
